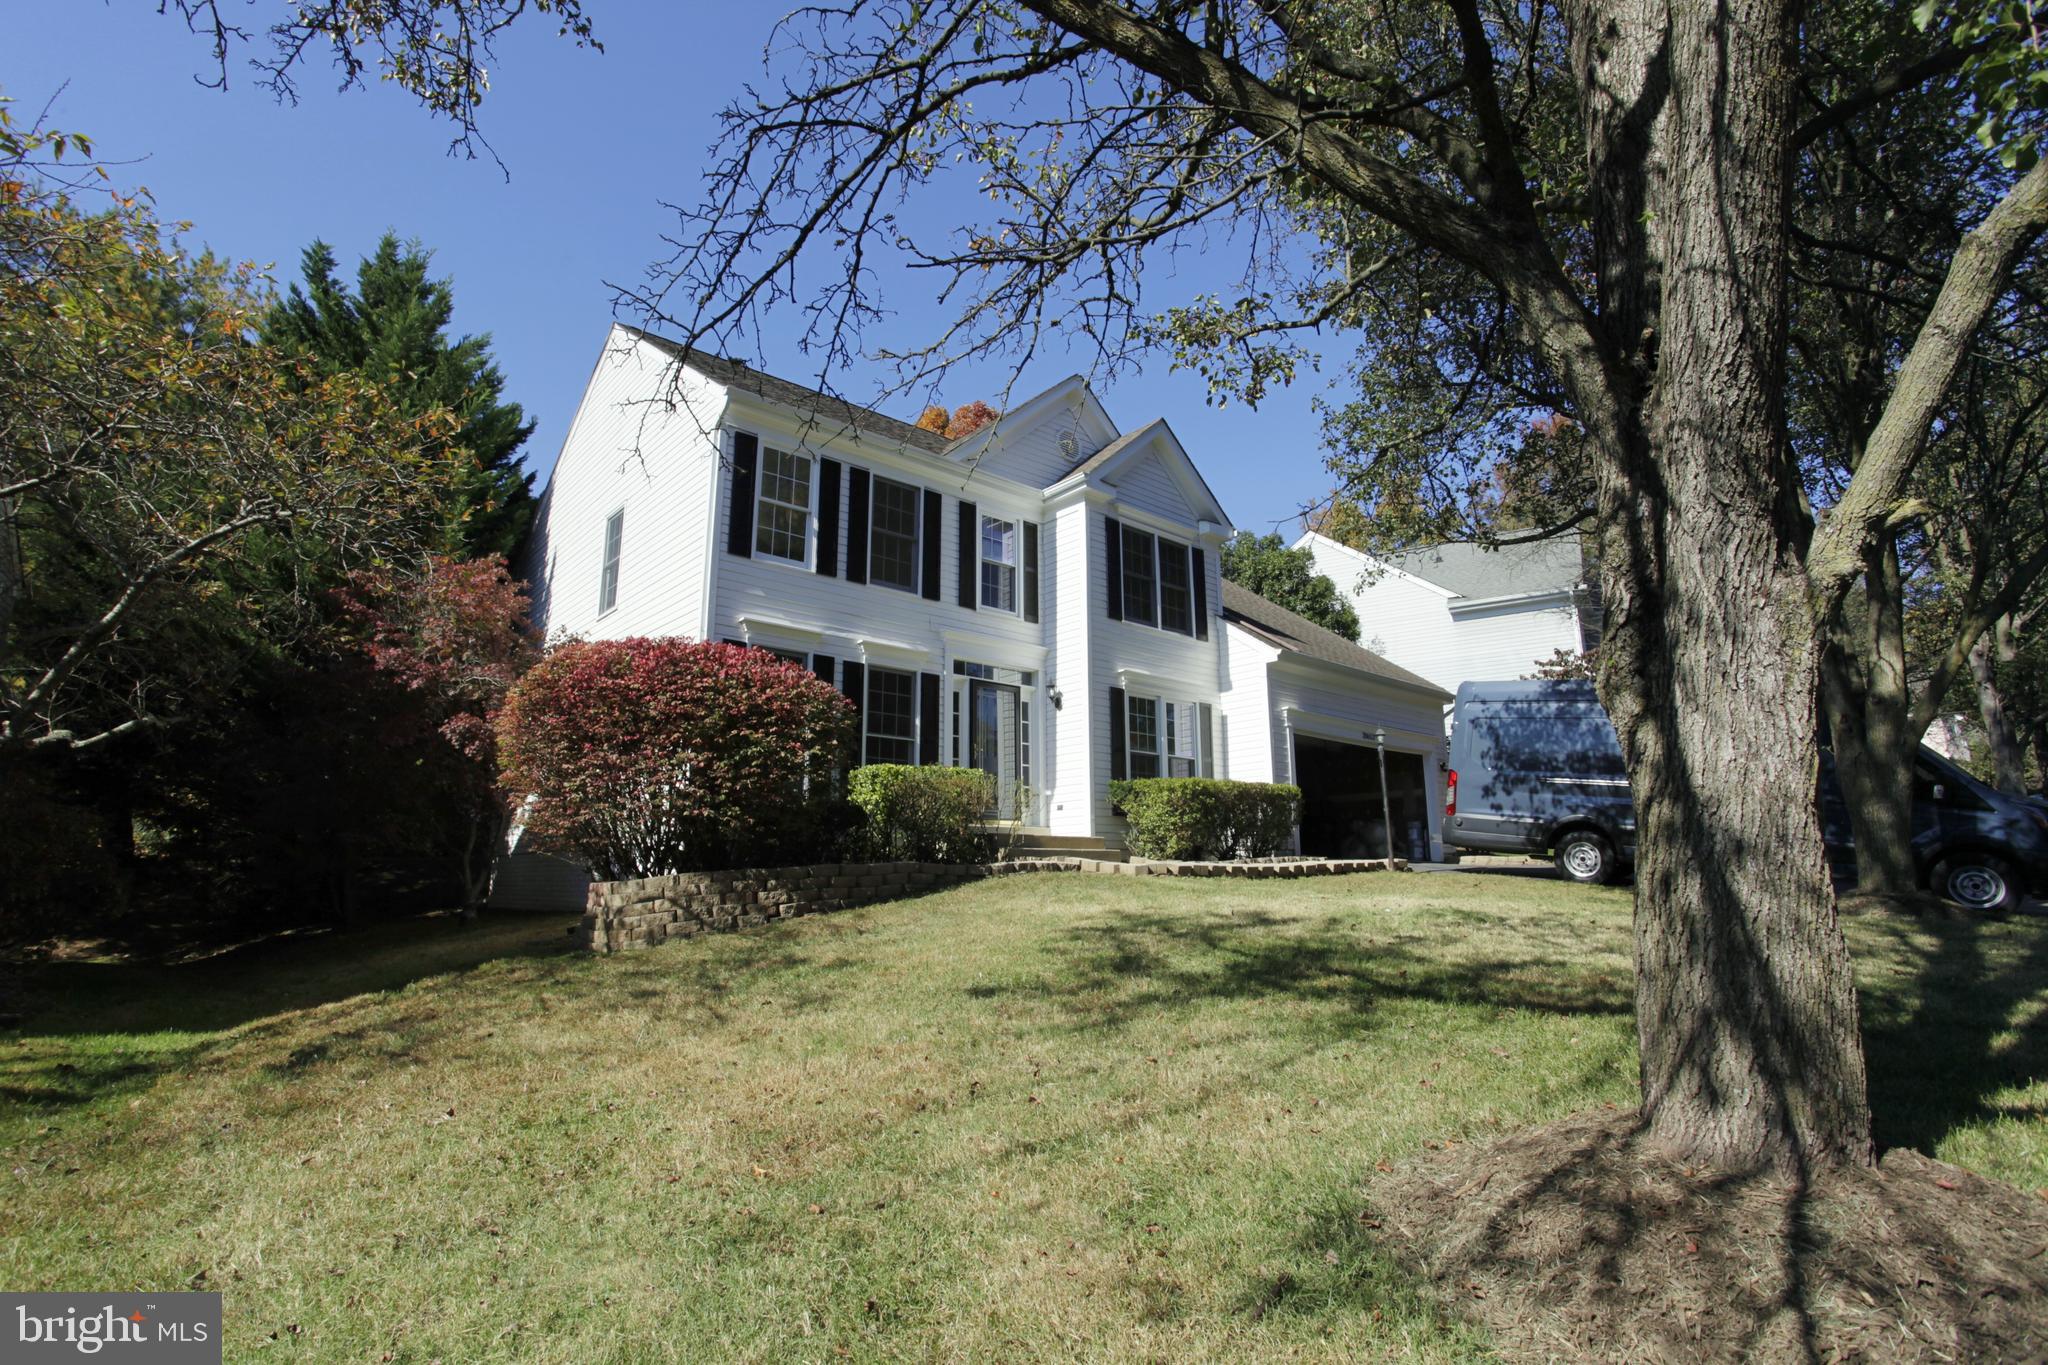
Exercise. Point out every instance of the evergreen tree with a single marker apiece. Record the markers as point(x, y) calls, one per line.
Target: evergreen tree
point(1288, 577)
point(393, 330)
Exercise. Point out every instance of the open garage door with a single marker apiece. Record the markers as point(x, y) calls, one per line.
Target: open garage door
point(1343, 814)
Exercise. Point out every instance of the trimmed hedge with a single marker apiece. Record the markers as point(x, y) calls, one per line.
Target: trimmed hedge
point(1195, 818)
point(922, 815)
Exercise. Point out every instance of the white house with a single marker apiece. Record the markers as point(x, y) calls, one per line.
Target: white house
point(1040, 599)
point(1461, 612)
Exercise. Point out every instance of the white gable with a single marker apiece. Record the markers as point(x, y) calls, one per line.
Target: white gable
point(1039, 441)
point(1149, 485)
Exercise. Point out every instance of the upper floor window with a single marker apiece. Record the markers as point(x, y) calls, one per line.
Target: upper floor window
point(998, 564)
point(892, 542)
point(1176, 597)
point(782, 518)
point(1141, 579)
point(891, 717)
point(614, 543)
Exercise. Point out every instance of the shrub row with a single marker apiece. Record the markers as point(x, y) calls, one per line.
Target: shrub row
point(922, 815)
point(1186, 818)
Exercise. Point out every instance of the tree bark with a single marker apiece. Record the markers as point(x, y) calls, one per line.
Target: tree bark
point(2008, 760)
point(1869, 706)
point(1747, 1023)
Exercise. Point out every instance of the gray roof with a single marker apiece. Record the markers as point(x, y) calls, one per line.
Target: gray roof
point(1478, 572)
point(813, 403)
point(1104, 455)
point(1284, 630)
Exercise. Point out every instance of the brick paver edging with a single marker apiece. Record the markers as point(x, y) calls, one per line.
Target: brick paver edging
point(651, 910)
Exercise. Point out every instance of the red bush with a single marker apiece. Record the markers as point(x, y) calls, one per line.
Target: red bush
point(646, 757)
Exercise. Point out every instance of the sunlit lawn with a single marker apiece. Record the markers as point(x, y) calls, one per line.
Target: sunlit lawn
point(1045, 1117)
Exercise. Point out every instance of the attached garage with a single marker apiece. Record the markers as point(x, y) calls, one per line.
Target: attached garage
point(1303, 706)
point(1343, 812)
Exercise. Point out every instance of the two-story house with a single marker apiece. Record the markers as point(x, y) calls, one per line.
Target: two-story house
point(1461, 612)
point(1040, 599)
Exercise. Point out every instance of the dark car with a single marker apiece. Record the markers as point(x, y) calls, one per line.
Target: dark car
point(1536, 768)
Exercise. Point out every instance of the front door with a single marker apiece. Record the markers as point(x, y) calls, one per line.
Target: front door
point(994, 743)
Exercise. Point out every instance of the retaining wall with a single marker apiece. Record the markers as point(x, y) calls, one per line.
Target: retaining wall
point(651, 910)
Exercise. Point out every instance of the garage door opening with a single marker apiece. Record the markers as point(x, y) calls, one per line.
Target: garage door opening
point(1343, 814)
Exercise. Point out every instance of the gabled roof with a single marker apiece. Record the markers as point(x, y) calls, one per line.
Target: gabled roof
point(1479, 572)
point(1293, 634)
point(1074, 390)
point(1131, 445)
point(824, 407)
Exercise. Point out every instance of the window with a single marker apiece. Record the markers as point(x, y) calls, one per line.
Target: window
point(1141, 578)
point(608, 582)
point(1143, 732)
point(892, 544)
point(1176, 596)
point(998, 564)
point(1181, 723)
point(892, 716)
point(782, 515)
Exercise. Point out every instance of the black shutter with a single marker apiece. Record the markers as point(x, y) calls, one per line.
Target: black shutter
point(853, 681)
point(822, 667)
point(1031, 571)
point(928, 716)
point(934, 509)
point(1113, 544)
point(1201, 594)
point(970, 536)
point(856, 526)
point(828, 518)
point(1118, 760)
point(1208, 736)
point(739, 526)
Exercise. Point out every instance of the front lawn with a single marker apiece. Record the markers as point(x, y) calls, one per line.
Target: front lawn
point(1042, 1117)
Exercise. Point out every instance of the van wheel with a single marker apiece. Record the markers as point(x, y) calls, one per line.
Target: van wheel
point(1583, 856)
point(1978, 882)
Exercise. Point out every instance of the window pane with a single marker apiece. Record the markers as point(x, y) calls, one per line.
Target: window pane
point(892, 716)
point(999, 540)
point(892, 543)
point(1176, 604)
point(1139, 578)
point(998, 586)
point(782, 511)
point(608, 584)
point(1180, 739)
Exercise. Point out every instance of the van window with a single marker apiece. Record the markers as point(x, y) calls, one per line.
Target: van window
point(1563, 745)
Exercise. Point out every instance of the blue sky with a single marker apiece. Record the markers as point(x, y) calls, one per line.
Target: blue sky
point(593, 143)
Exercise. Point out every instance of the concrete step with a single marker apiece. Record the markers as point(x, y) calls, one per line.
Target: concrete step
point(1092, 849)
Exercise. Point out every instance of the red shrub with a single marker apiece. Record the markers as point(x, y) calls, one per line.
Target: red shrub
point(645, 757)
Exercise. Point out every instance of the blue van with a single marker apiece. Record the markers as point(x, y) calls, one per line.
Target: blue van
point(1536, 768)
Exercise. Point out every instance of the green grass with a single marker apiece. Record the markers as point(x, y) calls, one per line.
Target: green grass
point(1045, 1117)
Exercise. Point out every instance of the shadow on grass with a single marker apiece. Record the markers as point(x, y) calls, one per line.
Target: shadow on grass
point(1118, 969)
point(1935, 1056)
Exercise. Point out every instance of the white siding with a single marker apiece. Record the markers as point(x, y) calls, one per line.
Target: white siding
point(625, 452)
point(1071, 596)
point(1506, 642)
point(1029, 451)
point(1244, 719)
point(1145, 484)
point(1414, 625)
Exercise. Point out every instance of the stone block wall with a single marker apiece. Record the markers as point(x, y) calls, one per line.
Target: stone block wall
point(651, 910)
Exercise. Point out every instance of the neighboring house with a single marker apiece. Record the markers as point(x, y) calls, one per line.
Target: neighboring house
point(1040, 599)
point(1463, 613)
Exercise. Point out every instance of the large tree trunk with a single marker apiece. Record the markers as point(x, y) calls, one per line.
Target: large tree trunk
point(1746, 1012)
point(1869, 707)
point(2008, 761)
